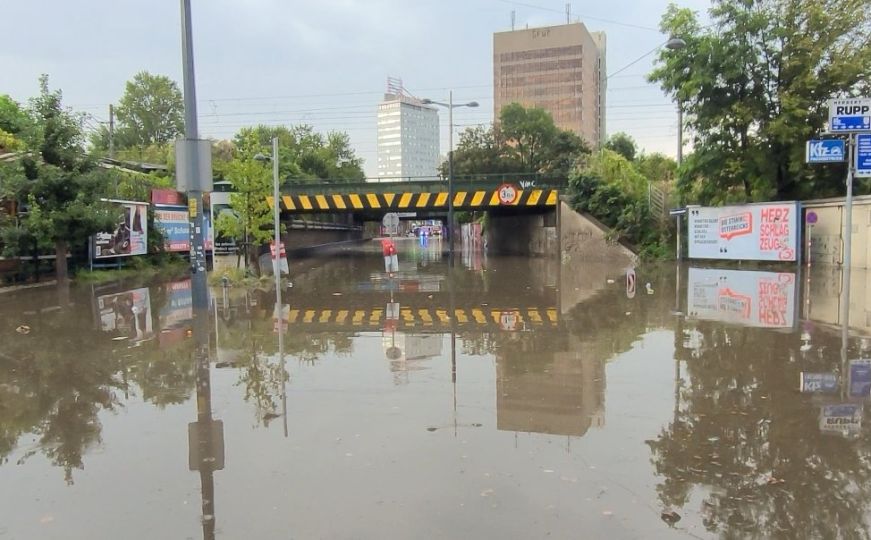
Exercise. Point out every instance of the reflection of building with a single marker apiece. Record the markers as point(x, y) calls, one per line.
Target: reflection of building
point(557, 393)
point(408, 135)
point(558, 68)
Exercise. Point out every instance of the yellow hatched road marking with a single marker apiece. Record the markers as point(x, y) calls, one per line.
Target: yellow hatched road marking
point(405, 200)
point(270, 200)
point(388, 198)
point(305, 202)
point(288, 202)
point(407, 314)
point(425, 316)
point(534, 316)
point(496, 315)
point(356, 202)
point(552, 315)
point(322, 202)
point(441, 199)
point(478, 197)
point(443, 316)
point(494, 199)
point(309, 315)
point(341, 316)
point(375, 316)
point(373, 200)
point(325, 316)
point(551, 198)
point(459, 198)
point(534, 196)
point(461, 316)
point(479, 316)
point(359, 314)
point(339, 202)
point(517, 199)
point(292, 315)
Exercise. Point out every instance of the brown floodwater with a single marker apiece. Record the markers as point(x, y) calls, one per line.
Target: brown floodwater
point(494, 397)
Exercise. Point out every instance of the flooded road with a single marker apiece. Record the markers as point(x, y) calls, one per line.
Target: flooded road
point(498, 397)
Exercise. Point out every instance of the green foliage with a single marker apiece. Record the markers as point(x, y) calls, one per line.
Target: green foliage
point(524, 141)
point(623, 144)
point(754, 86)
point(251, 215)
point(656, 168)
point(13, 122)
point(151, 111)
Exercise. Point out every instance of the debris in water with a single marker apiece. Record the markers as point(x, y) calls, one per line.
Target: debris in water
point(23, 329)
point(670, 516)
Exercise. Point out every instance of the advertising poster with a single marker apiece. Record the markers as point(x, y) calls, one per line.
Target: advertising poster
point(844, 419)
point(860, 378)
point(173, 223)
point(818, 383)
point(759, 232)
point(130, 236)
point(127, 313)
point(744, 297)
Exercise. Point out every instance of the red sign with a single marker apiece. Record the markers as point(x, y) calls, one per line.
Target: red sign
point(630, 283)
point(507, 194)
point(272, 250)
point(167, 196)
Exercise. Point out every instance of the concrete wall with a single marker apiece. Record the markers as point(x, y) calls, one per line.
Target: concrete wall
point(827, 234)
point(582, 239)
point(522, 234)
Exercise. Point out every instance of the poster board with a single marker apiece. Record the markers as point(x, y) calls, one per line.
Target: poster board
point(174, 223)
point(130, 236)
point(752, 232)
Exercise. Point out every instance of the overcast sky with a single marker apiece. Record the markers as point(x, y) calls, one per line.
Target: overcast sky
point(321, 62)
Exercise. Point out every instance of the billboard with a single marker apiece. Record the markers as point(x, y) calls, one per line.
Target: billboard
point(759, 232)
point(174, 223)
point(127, 314)
point(744, 297)
point(130, 236)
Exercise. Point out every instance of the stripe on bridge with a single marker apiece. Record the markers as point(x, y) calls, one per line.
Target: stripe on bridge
point(404, 201)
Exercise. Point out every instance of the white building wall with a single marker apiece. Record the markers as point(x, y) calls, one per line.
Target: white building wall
point(408, 139)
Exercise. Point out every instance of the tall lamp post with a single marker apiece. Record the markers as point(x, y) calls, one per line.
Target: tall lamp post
point(450, 105)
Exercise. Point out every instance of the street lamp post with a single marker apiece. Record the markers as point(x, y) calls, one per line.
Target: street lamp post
point(450, 107)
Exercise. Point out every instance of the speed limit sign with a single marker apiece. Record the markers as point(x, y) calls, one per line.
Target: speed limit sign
point(507, 194)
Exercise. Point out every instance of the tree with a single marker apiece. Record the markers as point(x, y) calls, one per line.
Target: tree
point(623, 144)
point(656, 167)
point(60, 186)
point(251, 218)
point(13, 122)
point(151, 111)
point(528, 133)
point(754, 85)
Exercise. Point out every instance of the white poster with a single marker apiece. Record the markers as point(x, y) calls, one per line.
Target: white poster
point(760, 232)
point(747, 298)
point(130, 236)
point(127, 313)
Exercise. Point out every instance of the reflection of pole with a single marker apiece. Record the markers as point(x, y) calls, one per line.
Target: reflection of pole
point(453, 344)
point(451, 175)
point(276, 270)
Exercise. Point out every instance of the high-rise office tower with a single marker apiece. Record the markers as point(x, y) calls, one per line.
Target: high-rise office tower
point(408, 136)
point(558, 68)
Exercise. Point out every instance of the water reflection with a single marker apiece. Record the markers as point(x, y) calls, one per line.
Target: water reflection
point(763, 434)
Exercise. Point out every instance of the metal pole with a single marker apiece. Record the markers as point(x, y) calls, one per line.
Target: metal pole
point(678, 247)
point(848, 247)
point(451, 172)
point(276, 268)
point(199, 290)
point(679, 132)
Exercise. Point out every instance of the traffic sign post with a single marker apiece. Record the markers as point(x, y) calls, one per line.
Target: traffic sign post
point(391, 223)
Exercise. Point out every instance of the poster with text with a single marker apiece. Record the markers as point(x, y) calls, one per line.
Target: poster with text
point(130, 236)
point(744, 297)
point(174, 223)
point(758, 232)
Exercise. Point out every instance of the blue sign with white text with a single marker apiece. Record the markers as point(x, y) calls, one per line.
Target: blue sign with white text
point(825, 151)
point(850, 123)
point(863, 155)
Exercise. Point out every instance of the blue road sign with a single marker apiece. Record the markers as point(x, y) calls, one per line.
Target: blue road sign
point(825, 151)
point(849, 115)
point(863, 155)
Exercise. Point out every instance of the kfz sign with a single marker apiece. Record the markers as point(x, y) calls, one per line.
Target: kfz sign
point(825, 151)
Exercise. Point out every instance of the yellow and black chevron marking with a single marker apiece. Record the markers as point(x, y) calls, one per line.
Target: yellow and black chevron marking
point(426, 317)
point(411, 201)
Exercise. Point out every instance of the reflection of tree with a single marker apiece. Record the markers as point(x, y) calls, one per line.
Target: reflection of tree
point(741, 427)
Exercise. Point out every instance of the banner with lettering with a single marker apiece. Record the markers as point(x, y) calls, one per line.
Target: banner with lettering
point(752, 232)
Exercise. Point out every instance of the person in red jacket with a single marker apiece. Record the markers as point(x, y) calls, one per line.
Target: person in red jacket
point(391, 259)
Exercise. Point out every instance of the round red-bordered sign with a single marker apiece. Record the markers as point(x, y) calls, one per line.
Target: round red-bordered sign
point(508, 194)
